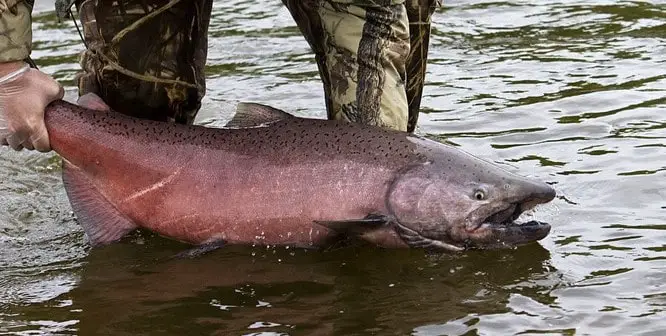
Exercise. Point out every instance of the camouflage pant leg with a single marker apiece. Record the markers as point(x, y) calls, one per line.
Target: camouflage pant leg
point(15, 32)
point(146, 58)
point(362, 48)
point(419, 13)
point(360, 52)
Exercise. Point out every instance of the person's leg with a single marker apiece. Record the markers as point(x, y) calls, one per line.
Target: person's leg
point(361, 49)
point(419, 13)
point(306, 15)
point(146, 58)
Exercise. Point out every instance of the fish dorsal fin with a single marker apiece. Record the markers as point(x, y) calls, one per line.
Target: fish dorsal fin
point(255, 115)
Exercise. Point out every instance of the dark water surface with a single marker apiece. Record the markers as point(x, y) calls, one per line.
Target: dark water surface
point(570, 92)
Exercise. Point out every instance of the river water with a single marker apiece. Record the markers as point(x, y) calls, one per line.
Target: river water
point(571, 92)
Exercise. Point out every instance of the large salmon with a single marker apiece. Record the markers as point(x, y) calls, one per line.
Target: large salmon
point(272, 178)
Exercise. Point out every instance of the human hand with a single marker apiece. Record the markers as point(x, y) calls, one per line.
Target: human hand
point(24, 94)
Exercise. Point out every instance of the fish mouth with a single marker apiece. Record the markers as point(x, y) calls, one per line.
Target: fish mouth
point(502, 229)
point(499, 230)
point(504, 217)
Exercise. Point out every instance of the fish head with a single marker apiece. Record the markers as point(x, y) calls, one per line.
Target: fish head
point(456, 201)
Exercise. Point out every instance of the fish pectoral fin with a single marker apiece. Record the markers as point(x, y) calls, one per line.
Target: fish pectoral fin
point(100, 219)
point(254, 115)
point(356, 226)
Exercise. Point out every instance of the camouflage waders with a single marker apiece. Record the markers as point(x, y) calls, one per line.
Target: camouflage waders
point(15, 30)
point(146, 58)
point(371, 56)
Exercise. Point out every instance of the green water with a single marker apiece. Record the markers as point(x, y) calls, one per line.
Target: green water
point(569, 92)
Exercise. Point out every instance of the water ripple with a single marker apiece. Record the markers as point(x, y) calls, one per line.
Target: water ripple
point(568, 91)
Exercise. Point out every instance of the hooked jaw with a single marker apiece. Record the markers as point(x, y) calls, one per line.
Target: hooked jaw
point(500, 228)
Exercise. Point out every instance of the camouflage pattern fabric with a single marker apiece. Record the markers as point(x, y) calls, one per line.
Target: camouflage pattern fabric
point(15, 30)
point(372, 57)
point(369, 3)
point(420, 14)
point(146, 58)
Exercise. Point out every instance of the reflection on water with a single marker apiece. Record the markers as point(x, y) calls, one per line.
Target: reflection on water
point(129, 288)
point(568, 91)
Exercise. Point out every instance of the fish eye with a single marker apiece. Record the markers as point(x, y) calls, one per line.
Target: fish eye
point(479, 195)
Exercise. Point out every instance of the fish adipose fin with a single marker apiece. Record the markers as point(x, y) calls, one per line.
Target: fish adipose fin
point(356, 226)
point(93, 102)
point(101, 221)
point(255, 115)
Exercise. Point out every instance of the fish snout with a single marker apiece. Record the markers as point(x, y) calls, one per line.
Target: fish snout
point(537, 193)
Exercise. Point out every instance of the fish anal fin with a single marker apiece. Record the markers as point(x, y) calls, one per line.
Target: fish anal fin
point(356, 226)
point(254, 115)
point(101, 221)
point(200, 250)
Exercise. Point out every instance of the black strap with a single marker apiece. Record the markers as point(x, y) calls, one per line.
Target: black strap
point(31, 63)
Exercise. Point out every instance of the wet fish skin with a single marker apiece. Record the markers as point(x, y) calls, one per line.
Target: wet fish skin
point(284, 181)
